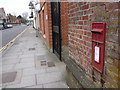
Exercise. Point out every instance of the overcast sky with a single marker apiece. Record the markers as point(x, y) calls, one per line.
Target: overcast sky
point(15, 6)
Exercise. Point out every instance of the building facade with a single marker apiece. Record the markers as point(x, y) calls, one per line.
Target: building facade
point(2, 15)
point(66, 28)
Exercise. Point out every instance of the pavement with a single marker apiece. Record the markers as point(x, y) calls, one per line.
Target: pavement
point(29, 64)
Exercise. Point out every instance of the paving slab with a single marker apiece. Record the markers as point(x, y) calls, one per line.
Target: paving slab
point(49, 77)
point(10, 57)
point(56, 85)
point(30, 52)
point(52, 69)
point(37, 86)
point(10, 61)
point(27, 60)
point(8, 67)
point(25, 82)
point(41, 71)
point(14, 51)
point(29, 71)
point(24, 65)
point(26, 56)
point(12, 54)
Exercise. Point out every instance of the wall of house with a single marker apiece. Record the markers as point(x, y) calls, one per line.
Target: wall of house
point(79, 63)
point(64, 28)
point(64, 22)
point(48, 24)
point(45, 23)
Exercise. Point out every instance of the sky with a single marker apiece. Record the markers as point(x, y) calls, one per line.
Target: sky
point(15, 7)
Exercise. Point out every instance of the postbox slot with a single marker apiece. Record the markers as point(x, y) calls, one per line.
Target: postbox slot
point(97, 41)
point(97, 30)
point(97, 37)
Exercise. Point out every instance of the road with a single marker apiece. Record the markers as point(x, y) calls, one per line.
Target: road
point(10, 33)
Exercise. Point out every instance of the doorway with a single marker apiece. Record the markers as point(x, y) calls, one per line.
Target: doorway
point(56, 32)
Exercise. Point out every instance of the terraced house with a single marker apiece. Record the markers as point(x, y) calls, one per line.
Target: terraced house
point(85, 36)
point(3, 17)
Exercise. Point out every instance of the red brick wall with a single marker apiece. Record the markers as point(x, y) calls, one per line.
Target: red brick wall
point(46, 28)
point(49, 24)
point(81, 14)
point(42, 27)
point(64, 22)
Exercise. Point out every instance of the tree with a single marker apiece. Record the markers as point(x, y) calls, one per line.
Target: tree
point(23, 20)
point(25, 15)
point(19, 17)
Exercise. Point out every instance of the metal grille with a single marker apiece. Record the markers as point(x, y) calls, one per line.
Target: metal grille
point(31, 49)
point(41, 57)
point(51, 64)
point(43, 63)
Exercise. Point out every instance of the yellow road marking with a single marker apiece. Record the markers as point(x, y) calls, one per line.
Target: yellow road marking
point(4, 47)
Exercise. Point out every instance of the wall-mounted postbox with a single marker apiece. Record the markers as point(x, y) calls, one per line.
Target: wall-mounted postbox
point(98, 45)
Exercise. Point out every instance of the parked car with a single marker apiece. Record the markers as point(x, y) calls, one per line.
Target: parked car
point(9, 26)
point(1, 26)
point(5, 25)
point(28, 24)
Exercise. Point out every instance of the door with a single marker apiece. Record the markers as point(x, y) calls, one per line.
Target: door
point(56, 34)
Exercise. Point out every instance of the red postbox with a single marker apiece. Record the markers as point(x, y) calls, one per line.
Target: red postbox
point(98, 45)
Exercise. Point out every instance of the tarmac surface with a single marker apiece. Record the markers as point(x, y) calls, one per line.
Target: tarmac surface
point(29, 64)
point(10, 33)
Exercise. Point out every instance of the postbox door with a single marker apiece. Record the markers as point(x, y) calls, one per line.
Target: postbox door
point(98, 45)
